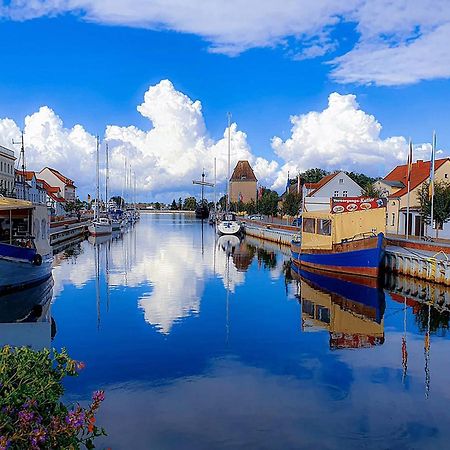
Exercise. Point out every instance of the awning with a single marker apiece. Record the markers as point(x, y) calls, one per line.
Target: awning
point(7, 204)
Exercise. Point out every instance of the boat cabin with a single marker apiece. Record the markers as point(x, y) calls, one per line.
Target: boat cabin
point(321, 229)
point(23, 224)
point(229, 217)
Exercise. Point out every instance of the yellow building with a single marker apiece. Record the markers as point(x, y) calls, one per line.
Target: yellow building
point(243, 183)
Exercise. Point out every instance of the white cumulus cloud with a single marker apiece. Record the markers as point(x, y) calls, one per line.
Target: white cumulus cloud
point(395, 42)
point(342, 136)
point(166, 158)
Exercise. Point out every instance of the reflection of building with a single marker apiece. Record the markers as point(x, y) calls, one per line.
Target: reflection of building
point(243, 256)
point(243, 183)
point(353, 314)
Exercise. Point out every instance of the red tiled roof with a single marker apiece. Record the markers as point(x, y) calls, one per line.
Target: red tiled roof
point(54, 197)
point(29, 174)
point(243, 172)
point(65, 180)
point(420, 172)
point(48, 188)
point(321, 183)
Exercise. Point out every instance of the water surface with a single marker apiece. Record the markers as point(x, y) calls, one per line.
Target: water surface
point(203, 343)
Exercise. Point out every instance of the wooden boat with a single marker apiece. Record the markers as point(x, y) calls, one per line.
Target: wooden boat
point(25, 253)
point(343, 240)
point(202, 210)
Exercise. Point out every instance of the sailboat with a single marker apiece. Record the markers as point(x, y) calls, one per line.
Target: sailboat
point(100, 225)
point(229, 225)
point(202, 210)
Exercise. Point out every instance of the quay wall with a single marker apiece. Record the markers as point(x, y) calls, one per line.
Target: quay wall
point(424, 261)
point(276, 235)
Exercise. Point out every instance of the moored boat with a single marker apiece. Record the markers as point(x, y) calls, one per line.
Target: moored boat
point(349, 239)
point(100, 227)
point(229, 225)
point(25, 253)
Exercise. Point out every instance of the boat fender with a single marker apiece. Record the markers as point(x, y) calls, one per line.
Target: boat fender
point(37, 260)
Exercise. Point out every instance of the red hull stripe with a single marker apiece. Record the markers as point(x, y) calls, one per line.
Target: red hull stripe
point(361, 271)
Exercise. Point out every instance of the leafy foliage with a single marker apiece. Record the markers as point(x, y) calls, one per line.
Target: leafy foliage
point(190, 203)
point(313, 175)
point(441, 207)
point(292, 203)
point(31, 413)
point(268, 203)
point(364, 181)
point(75, 206)
point(118, 200)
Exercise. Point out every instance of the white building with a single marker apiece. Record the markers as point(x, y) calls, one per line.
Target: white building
point(54, 178)
point(7, 159)
point(337, 184)
point(29, 188)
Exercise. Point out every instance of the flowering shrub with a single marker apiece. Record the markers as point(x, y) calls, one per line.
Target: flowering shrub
point(31, 413)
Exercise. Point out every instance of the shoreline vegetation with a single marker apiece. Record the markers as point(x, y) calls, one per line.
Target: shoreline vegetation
point(32, 415)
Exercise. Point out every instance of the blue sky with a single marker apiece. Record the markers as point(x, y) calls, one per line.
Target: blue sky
point(95, 73)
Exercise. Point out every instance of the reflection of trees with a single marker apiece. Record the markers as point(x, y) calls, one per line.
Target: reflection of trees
point(73, 251)
point(439, 320)
point(268, 259)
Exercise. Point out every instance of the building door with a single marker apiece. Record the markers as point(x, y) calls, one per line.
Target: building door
point(418, 226)
point(410, 225)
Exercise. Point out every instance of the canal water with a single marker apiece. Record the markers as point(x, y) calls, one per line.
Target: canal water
point(207, 343)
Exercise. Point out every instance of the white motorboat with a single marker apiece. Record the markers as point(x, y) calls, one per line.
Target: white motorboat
point(229, 225)
point(25, 253)
point(100, 227)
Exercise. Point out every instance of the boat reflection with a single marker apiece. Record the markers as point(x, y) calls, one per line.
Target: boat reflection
point(352, 313)
point(25, 317)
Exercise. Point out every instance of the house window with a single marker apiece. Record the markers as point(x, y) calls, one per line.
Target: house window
point(393, 219)
point(341, 181)
point(345, 194)
point(446, 175)
point(309, 225)
point(324, 227)
point(336, 194)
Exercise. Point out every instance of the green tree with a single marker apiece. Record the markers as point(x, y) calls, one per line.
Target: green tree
point(190, 203)
point(173, 206)
point(75, 206)
point(158, 205)
point(292, 204)
point(441, 207)
point(365, 182)
point(118, 200)
point(313, 175)
point(371, 191)
point(250, 207)
point(180, 204)
point(268, 203)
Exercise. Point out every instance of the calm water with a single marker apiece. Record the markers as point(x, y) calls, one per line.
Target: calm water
point(207, 344)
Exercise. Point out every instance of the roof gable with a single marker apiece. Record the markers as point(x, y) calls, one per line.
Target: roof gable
point(243, 172)
point(420, 171)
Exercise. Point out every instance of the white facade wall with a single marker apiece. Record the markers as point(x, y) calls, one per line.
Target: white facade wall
point(34, 192)
point(340, 185)
point(7, 174)
point(48, 176)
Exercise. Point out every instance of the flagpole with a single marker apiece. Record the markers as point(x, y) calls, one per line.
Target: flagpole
point(409, 187)
point(433, 153)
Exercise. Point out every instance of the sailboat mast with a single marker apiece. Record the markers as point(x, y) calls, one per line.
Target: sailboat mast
point(229, 151)
point(215, 182)
point(107, 175)
point(97, 206)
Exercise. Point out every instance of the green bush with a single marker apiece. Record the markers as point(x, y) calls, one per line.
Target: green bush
point(31, 413)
